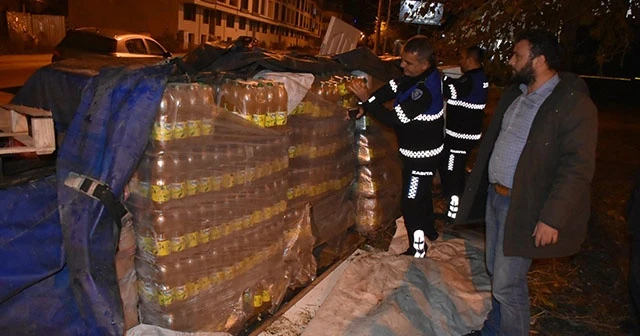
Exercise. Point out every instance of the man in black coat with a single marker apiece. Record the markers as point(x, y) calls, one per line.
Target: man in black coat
point(533, 174)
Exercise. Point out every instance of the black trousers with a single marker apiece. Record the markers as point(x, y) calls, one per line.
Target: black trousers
point(417, 205)
point(452, 168)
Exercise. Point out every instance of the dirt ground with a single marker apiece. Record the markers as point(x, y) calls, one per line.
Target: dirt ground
point(587, 294)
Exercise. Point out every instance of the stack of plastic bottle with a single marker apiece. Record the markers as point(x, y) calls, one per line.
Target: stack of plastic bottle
point(209, 200)
point(379, 181)
point(322, 157)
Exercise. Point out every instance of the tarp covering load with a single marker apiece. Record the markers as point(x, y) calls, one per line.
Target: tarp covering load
point(59, 87)
point(35, 292)
point(209, 199)
point(104, 142)
point(66, 285)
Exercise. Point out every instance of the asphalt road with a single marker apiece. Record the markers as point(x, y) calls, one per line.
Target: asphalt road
point(15, 70)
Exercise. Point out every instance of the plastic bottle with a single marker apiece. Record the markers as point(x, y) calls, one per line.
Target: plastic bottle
point(177, 177)
point(223, 95)
point(160, 225)
point(160, 179)
point(208, 111)
point(191, 170)
point(270, 106)
point(282, 100)
point(205, 173)
point(194, 112)
point(259, 112)
point(162, 132)
point(246, 95)
point(180, 115)
point(177, 231)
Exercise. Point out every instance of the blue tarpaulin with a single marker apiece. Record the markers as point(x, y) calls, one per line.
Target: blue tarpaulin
point(58, 244)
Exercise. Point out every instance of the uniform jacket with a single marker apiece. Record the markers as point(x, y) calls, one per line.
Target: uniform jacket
point(417, 116)
point(466, 99)
point(552, 180)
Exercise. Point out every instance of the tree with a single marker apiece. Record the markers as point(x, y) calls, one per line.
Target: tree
point(607, 24)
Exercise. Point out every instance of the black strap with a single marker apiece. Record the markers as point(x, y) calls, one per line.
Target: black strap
point(103, 193)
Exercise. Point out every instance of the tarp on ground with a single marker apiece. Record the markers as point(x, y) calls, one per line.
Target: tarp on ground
point(383, 293)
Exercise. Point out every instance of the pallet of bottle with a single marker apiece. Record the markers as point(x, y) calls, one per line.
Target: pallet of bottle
point(192, 293)
point(178, 177)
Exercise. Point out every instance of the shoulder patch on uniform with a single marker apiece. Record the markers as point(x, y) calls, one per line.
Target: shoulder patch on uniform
point(416, 94)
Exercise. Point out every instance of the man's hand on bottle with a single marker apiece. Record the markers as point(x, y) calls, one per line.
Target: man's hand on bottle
point(359, 89)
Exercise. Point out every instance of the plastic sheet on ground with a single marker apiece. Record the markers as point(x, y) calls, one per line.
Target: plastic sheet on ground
point(448, 293)
point(151, 330)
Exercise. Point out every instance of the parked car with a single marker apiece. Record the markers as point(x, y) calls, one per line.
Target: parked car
point(91, 41)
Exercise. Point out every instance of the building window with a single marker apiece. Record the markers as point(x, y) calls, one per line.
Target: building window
point(233, 3)
point(189, 12)
point(255, 6)
point(192, 37)
point(242, 23)
point(263, 10)
point(218, 16)
point(264, 27)
point(272, 29)
point(206, 14)
point(283, 13)
point(244, 4)
point(231, 20)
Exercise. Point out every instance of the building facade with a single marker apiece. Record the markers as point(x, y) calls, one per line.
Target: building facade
point(187, 23)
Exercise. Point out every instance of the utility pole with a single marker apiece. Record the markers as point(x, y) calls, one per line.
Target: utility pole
point(386, 35)
point(376, 44)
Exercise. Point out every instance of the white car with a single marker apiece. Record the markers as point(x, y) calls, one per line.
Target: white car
point(91, 41)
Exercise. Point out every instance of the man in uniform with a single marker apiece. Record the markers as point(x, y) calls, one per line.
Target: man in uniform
point(418, 120)
point(466, 98)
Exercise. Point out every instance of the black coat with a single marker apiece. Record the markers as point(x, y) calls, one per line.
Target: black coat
point(552, 181)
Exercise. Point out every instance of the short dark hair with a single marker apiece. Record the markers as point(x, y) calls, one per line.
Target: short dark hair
point(420, 45)
point(476, 53)
point(544, 43)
